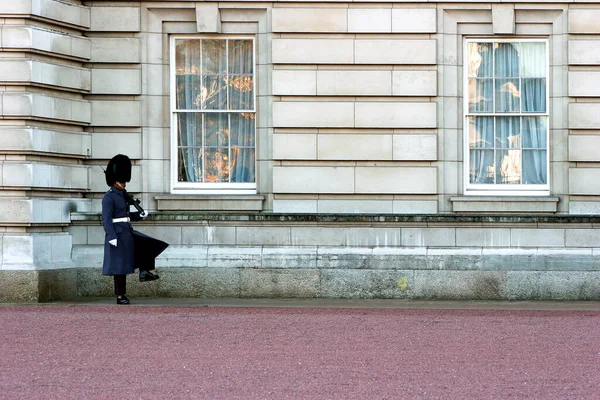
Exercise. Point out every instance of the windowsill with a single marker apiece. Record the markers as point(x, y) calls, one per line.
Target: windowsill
point(505, 204)
point(210, 202)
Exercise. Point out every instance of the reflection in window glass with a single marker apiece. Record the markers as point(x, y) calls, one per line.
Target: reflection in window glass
point(507, 116)
point(215, 110)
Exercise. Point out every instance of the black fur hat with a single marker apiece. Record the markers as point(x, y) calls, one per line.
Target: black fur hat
point(118, 170)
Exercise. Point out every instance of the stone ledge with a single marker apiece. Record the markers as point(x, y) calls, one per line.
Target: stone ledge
point(357, 218)
point(513, 204)
point(210, 203)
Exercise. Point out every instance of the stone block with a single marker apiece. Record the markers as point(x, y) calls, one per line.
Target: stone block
point(36, 38)
point(115, 19)
point(397, 51)
point(262, 236)
point(414, 20)
point(19, 286)
point(584, 21)
point(294, 82)
point(584, 83)
point(116, 81)
point(503, 19)
point(65, 12)
point(279, 283)
point(115, 50)
point(292, 146)
point(354, 83)
point(354, 206)
point(313, 51)
point(414, 207)
point(16, 70)
point(582, 237)
point(369, 20)
point(458, 285)
point(234, 257)
point(552, 285)
point(429, 237)
point(18, 252)
point(343, 257)
point(584, 115)
point(294, 206)
point(91, 282)
point(584, 52)
point(400, 180)
point(414, 147)
point(208, 235)
point(396, 115)
point(537, 237)
point(289, 257)
point(194, 282)
point(125, 113)
point(313, 114)
point(313, 180)
point(38, 175)
point(208, 18)
point(366, 284)
point(44, 141)
point(414, 83)
point(584, 148)
point(357, 237)
point(60, 284)
point(103, 144)
point(584, 181)
point(483, 237)
point(37, 105)
point(518, 204)
point(61, 76)
point(180, 256)
point(584, 207)
point(309, 20)
point(354, 147)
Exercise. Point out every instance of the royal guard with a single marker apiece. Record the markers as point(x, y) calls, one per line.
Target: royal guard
point(125, 249)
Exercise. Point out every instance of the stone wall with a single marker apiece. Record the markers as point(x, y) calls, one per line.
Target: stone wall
point(359, 111)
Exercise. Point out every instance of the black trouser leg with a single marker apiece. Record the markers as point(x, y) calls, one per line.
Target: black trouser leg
point(120, 284)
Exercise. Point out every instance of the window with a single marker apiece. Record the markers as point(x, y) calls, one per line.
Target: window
point(506, 117)
point(213, 115)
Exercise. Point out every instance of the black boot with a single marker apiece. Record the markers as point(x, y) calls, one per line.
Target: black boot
point(122, 299)
point(146, 276)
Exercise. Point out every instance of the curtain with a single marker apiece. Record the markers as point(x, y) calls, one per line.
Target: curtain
point(507, 78)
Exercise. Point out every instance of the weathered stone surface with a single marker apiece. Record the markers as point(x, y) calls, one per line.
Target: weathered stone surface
point(280, 283)
point(115, 19)
point(414, 20)
point(19, 286)
point(309, 20)
point(313, 180)
point(366, 284)
point(60, 284)
point(584, 21)
point(313, 51)
point(458, 285)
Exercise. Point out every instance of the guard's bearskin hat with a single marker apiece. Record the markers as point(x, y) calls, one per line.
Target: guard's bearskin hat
point(118, 170)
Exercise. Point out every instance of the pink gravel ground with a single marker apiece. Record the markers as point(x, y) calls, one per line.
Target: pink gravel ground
point(129, 352)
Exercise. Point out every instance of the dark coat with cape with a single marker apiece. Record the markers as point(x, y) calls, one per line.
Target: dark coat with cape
point(134, 249)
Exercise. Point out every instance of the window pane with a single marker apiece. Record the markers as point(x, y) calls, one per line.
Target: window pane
point(533, 60)
point(240, 57)
point(216, 164)
point(508, 167)
point(481, 95)
point(242, 129)
point(187, 57)
point(189, 129)
point(242, 165)
point(534, 95)
point(241, 92)
point(481, 132)
point(188, 92)
point(214, 61)
point(508, 132)
point(214, 92)
point(216, 130)
point(534, 132)
point(507, 95)
point(506, 59)
point(481, 166)
point(534, 167)
point(480, 60)
point(190, 165)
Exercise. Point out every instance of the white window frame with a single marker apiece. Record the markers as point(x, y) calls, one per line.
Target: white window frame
point(204, 187)
point(504, 189)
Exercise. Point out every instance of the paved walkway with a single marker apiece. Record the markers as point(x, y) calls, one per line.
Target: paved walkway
point(299, 349)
